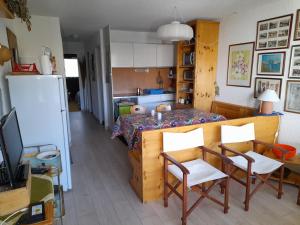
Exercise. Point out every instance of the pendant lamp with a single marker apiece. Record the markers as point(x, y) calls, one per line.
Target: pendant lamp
point(175, 31)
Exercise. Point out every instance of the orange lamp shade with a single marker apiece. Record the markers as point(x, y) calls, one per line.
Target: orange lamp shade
point(5, 54)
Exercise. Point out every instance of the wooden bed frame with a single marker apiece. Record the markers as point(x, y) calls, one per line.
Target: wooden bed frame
point(147, 164)
point(231, 111)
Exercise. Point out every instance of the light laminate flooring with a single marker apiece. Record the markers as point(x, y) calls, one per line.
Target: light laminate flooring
point(101, 194)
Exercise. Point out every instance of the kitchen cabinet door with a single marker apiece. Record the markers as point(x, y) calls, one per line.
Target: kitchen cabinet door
point(165, 55)
point(144, 55)
point(121, 55)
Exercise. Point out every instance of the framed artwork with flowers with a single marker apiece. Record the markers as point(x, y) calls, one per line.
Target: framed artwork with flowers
point(240, 63)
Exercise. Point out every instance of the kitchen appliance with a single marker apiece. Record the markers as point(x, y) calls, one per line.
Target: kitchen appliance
point(43, 114)
point(188, 75)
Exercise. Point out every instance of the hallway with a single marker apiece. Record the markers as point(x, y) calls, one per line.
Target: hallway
point(102, 195)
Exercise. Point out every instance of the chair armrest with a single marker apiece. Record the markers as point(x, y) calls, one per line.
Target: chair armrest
point(176, 163)
point(223, 157)
point(283, 151)
point(250, 159)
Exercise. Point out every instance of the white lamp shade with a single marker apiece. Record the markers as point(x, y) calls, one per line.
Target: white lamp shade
point(175, 31)
point(269, 96)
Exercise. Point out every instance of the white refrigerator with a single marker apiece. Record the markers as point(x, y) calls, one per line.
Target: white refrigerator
point(41, 105)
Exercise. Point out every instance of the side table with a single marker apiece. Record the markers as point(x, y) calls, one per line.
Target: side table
point(55, 170)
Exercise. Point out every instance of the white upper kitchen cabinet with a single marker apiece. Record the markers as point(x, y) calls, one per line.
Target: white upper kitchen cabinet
point(121, 55)
point(165, 55)
point(144, 55)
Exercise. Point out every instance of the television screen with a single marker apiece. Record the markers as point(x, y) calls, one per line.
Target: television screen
point(11, 143)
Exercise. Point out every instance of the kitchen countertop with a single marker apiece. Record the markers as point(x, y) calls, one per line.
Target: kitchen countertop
point(134, 95)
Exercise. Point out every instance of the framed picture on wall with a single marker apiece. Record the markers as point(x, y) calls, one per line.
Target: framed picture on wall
point(271, 64)
point(297, 26)
point(240, 63)
point(294, 71)
point(292, 97)
point(262, 84)
point(274, 33)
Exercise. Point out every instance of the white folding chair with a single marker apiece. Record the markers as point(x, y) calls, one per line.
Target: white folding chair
point(253, 163)
point(192, 174)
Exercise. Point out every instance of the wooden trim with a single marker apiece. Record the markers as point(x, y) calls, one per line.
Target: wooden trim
point(286, 92)
point(271, 53)
point(291, 56)
point(289, 38)
point(268, 78)
point(232, 111)
point(297, 21)
point(253, 50)
point(150, 178)
point(4, 11)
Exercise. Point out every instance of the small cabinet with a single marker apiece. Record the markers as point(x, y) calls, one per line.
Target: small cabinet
point(121, 55)
point(144, 55)
point(165, 55)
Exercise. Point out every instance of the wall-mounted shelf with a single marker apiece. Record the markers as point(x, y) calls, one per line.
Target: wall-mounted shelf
point(4, 11)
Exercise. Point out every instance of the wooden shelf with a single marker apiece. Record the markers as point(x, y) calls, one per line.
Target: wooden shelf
point(186, 82)
point(4, 11)
point(187, 66)
point(188, 45)
point(183, 106)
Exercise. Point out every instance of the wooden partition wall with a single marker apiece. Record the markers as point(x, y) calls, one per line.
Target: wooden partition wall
point(147, 178)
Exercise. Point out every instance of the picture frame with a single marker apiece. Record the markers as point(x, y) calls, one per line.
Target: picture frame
point(240, 64)
point(271, 63)
point(274, 33)
point(262, 83)
point(297, 26)
point(294, 69)
point(292, 97)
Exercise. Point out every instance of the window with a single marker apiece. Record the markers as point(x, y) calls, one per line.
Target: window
point(71, 68)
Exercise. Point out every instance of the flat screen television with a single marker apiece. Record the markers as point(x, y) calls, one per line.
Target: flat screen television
point(11, 145)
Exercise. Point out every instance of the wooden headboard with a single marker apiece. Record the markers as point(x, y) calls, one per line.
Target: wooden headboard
point(231, 111)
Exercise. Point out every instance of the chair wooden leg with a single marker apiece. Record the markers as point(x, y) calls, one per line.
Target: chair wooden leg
point(226, 196)
point(184, 200)
point(280, 182)
point(165, 183)
point(248, 186)
point(298, 199)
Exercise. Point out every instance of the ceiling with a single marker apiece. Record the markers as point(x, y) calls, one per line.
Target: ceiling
point(81, 18)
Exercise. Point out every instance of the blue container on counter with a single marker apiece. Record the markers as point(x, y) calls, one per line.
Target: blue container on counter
point(153, 91)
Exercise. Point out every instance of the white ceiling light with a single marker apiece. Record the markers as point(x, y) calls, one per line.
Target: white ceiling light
point(175, 31)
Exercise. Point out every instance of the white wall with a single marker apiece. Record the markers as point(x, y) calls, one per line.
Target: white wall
point(45, 32)
point(240, 28)
point(74, 47)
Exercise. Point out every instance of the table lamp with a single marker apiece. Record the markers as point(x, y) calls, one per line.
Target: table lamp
point(267, 98)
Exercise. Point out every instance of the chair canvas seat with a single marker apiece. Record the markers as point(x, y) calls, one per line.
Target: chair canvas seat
point(262, 164)
point(200, 172)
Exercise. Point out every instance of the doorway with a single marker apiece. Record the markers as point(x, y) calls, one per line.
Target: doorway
point(72, 80)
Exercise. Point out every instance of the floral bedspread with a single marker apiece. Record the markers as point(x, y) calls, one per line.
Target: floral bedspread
point(131, 126)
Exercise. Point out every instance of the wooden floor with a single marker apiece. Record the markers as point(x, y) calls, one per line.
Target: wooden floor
point(101, 193)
